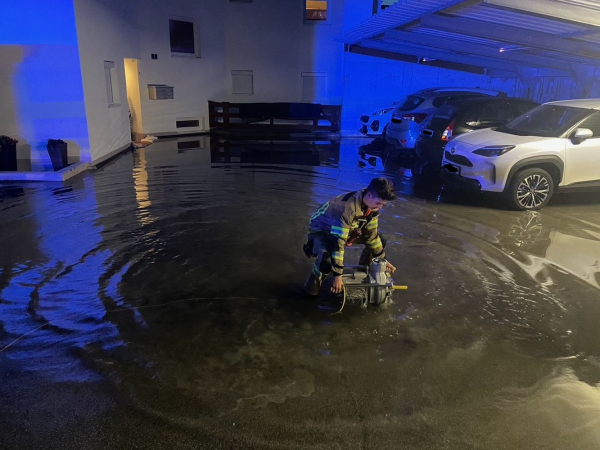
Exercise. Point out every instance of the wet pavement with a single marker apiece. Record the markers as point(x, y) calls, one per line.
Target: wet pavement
point(156, 303)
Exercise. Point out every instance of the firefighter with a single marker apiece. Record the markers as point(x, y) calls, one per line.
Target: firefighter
point(344, 220)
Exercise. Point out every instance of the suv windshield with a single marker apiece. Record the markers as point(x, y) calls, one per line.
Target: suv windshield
point(545, 121)
point(410, 102)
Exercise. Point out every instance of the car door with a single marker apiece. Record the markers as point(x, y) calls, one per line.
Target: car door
point(583, 159)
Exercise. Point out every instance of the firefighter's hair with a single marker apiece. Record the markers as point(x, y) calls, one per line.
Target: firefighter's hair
point(383, 188)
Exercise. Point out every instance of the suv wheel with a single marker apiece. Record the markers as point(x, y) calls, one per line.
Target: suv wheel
point(529, 189)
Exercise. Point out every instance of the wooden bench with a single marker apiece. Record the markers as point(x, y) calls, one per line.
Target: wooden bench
point(274, 117)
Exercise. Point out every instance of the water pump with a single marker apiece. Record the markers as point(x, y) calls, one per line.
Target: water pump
point(369, 284)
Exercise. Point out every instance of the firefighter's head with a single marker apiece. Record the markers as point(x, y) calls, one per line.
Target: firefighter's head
point(378, 193)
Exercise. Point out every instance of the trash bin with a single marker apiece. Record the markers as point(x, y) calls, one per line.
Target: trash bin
point(57, 149)
point(8, 154)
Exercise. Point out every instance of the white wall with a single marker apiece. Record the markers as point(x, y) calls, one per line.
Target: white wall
point(370, 83)
point(271, 38)
point(106, 32)
point(268, 37)
point(41, 93)
point(196, 80)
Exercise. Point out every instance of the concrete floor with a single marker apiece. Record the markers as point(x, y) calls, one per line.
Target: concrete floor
point(156, 303)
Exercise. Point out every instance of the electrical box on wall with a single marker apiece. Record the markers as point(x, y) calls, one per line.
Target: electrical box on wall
point(160, 92)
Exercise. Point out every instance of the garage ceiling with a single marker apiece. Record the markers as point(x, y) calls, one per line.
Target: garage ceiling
point(556, 37)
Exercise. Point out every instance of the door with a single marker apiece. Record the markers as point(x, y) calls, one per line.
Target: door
point(583, 160)
point(132, 82)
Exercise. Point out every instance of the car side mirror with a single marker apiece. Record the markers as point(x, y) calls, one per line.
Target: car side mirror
point(581, 134)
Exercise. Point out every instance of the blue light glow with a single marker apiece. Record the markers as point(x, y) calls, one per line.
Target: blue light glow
point(35, 22)
point(48, 95)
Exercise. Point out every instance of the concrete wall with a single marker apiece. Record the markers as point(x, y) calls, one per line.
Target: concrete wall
point(107, 32)
point(356, 12)
point(196, 80)
point(271, 38)
point(268, 37)
point(41, 92)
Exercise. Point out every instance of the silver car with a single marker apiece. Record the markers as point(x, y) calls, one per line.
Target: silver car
point(410, 115)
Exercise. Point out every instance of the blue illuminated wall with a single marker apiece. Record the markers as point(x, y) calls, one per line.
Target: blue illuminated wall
point(40, 78)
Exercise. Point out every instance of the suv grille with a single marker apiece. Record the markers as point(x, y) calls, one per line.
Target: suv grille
point(458, 159)
point(364, 119)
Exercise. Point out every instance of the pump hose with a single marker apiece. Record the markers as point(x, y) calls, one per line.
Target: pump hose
point(343, 301)
point(395, 286)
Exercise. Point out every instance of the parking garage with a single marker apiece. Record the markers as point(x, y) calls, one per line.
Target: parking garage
point(156, 300)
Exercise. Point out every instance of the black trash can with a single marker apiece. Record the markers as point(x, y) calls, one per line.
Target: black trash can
point(57, 149)
point(8, 154)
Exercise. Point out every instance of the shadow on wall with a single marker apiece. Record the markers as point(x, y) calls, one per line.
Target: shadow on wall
point(10, 56)
point(23, 156)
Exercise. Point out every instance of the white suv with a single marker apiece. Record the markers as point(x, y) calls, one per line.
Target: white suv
point(554, 146)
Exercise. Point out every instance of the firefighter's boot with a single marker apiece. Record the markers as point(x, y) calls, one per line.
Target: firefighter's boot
point(312, 286)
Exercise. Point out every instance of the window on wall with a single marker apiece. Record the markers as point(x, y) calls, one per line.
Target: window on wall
point(242, 82)
point(183, 37)
point(314, 86)
point(315, 10)
point(112, 84)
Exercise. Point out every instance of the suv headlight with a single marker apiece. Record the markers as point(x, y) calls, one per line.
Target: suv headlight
point(381, 112)
point(493, 150)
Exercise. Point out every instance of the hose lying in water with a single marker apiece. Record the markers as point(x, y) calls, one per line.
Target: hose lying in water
point(396, 287)
point(170, 303)
point(343, 301)
point(133, 308)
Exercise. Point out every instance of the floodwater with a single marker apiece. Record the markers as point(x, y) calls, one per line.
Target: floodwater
point(156, 303)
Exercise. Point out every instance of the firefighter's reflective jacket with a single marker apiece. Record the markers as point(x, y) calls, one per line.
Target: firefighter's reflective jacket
point(339, 218)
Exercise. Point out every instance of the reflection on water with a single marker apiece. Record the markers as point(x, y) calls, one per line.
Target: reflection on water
point(140, 177)
point(175, 276)
point(306, 153)
point(559, 401)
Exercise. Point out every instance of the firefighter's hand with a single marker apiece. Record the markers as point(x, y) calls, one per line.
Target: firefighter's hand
point(337, 286)
point(389, 267)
